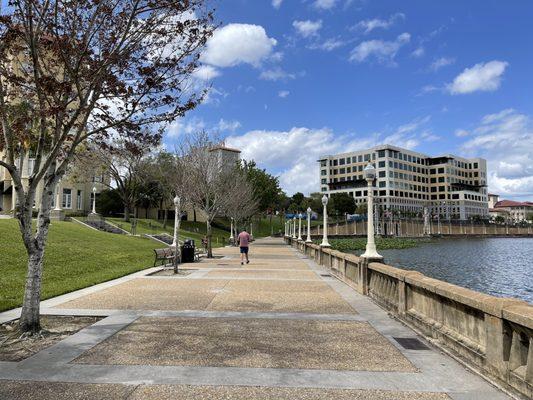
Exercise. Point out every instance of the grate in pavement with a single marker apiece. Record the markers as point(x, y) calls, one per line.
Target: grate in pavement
point(411, 343)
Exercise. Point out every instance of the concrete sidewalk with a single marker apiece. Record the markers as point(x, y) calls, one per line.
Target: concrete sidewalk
point(278, 328)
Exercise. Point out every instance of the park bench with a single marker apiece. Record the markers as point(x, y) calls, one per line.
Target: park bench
point(164, 255)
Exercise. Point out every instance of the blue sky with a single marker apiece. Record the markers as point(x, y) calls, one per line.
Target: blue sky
point(293, 79)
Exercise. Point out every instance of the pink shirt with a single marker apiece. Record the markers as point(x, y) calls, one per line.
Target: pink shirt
point(244, 239)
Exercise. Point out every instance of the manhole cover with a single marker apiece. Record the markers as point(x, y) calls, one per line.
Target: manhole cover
point(411, 343)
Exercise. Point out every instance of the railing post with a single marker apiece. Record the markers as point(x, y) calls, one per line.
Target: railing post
point(498, 346)
point(362, 285)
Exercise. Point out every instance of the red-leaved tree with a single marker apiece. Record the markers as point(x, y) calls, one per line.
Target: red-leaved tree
point(78, 70)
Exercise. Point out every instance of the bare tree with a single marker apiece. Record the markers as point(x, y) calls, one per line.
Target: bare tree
point(207, 181)
point(79, 69)
point(242, 204)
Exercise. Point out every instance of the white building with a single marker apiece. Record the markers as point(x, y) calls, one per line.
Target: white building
point(408, 181)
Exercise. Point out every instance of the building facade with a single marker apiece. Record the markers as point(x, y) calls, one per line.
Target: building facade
point(511, 211)
point(74, 197)
point(408, 181)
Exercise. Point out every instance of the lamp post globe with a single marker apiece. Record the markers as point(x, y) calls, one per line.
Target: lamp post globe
point(325, 242)
point(370, 174)
point(308, 239)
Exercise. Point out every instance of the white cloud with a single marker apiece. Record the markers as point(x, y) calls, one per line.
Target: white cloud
point(484, 77)
point(368, 25)
point(307, 28)
point(276, 74)
point(505, 139)
point(328, 45)
point(206, 73)
point(295, 155)
point(276, 4)
point(383, 51)
point(461, 133)
point(441, 62)
point(324, 4)
point(283, 93)
point(180, 127)
point(228, 126)
point(418, 52)
point(235, 44)
point(292, 154)
point(408, 135)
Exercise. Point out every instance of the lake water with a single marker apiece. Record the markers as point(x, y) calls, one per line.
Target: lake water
point(497, 266)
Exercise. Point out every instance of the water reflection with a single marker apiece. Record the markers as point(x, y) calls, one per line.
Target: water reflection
point(497, 266)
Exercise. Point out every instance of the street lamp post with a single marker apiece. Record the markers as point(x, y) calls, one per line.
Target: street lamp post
point(300, 226)
point(177, 202)
point(58, 197)
point(438, 218)
point(175, 242)
point(294, 227)
point(231, 238)
point(94, 200)
point(308, 240)
point(325, 242)
point(371, 252)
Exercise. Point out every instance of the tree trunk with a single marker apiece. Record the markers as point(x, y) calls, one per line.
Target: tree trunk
point(194, 213)
point(126, 213)
point(29, 317)
point(209, 246)
point(35, 245)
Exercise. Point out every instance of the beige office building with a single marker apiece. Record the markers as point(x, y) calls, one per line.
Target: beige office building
point(409, 181)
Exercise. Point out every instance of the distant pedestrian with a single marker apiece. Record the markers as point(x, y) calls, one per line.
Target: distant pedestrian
point(244, 242)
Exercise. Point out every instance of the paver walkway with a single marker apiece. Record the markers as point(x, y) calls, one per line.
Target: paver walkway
point(278, 328)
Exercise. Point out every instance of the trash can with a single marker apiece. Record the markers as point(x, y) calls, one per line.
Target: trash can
point(187, 251)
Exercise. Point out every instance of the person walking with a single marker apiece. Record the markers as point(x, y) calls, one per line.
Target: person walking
point(244, 243)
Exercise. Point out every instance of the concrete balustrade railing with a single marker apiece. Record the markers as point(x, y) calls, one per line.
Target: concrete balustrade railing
point(416, 229)
point(491, 334)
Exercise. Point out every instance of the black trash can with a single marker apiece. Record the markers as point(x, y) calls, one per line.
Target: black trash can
point(187, 251)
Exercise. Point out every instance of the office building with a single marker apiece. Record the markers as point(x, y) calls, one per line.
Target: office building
point(408, 181)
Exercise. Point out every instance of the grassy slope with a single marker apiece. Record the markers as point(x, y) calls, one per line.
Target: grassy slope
point(193, 230)
point(76, 257)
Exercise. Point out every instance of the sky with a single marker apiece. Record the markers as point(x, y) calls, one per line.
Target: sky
point(291, 80)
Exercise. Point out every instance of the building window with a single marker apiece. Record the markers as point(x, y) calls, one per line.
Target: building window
point(381, 164)
point(79, 200)
point(323, 172)
point(67, 198)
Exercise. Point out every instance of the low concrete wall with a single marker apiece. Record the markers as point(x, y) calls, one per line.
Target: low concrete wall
point(493, 335)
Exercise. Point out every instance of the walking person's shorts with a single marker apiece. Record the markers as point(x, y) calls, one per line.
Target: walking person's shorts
point(244, 250)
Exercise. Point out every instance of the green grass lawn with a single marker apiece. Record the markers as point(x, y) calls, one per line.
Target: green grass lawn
point(76, 257)
point(188, 229)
